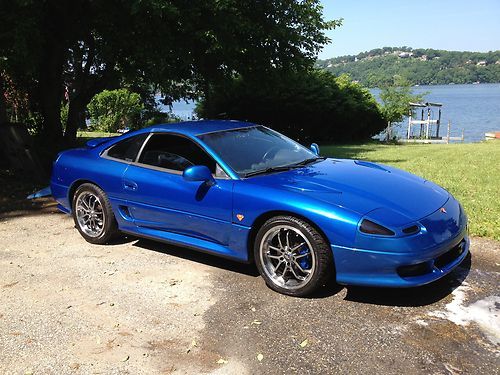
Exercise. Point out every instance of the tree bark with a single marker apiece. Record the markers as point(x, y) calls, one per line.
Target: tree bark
point(3, 105)
point(76, 120)
point(50, 84)
point(50, 94)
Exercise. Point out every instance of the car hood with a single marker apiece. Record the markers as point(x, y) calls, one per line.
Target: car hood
point(362, 187)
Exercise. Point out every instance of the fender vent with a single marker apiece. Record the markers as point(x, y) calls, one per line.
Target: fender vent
point(125, 212)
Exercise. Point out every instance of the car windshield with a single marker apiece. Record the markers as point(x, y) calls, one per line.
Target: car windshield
point(257, 149)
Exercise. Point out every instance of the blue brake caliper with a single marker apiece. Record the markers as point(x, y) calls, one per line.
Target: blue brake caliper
point(304, 262)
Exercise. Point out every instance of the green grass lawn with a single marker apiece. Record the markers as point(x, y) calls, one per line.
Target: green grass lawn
point(471, 172)
point(83, 137)
point(95, 134)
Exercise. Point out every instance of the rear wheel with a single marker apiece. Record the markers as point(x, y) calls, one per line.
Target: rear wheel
point(93, 215)
point(292, 256)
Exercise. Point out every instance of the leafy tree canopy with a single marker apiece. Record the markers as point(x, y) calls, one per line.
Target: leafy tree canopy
point(396, 99)
point(60, 50)
point(310, 106)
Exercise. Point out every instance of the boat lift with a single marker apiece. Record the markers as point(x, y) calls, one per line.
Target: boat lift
point(428, 131)
point(426, 123)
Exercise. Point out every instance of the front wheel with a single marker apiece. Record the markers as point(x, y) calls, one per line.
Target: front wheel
point(292, 256)
point(93, 214)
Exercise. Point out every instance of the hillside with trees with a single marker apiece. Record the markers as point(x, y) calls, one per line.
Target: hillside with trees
point(419, 66)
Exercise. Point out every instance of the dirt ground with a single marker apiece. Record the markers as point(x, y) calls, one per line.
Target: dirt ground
point(140, 307)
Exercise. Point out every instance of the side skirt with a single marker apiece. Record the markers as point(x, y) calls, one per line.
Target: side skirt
point(189, 242)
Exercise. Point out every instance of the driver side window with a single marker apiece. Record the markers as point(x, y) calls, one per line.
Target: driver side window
point(175, 153)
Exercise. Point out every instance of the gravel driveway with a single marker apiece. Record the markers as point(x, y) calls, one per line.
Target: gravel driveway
point(142, 307)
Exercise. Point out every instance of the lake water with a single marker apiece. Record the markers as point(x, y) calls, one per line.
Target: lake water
point(475, 109)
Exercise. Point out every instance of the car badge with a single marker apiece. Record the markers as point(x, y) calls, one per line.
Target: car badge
point(240, 217)
point(443, 210)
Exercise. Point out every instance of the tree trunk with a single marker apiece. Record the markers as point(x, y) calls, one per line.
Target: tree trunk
point(3, 109)
point(76, 120)
point(3, 104)
point(388, 132)
point(50, 93)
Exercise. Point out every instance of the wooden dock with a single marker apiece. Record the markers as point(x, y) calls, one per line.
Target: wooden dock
point(430, 140)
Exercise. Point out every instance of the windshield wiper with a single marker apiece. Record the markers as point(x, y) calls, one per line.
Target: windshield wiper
point(271, 169)
point(285, 167)
point(309, 161)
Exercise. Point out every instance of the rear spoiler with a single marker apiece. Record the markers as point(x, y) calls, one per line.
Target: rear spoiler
point(98, 141)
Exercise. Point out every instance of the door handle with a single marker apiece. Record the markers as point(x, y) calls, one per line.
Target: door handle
point(129, 185)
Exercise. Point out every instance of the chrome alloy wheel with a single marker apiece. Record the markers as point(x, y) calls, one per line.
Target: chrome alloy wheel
point(286, 256)
point(90, 214)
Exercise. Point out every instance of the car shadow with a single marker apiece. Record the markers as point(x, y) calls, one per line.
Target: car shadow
point(401, 297)
point(198, 257)
point(412, 297)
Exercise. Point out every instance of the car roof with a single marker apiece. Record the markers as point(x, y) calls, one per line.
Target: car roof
point(193, 128)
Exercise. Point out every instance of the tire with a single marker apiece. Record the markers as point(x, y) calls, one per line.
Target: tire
point(292, 256)
point(93, 215)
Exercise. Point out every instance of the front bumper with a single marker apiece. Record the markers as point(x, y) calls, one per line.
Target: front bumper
point(384, 269)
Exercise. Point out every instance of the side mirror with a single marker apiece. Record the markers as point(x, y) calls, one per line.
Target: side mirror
point(314, 148)
point(199, 173)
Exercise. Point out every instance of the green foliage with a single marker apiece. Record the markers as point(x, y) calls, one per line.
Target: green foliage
point(376, 68)
point(158, 117)
point(175, 47)
point(469, 171)
point(308, 105)
point(115, 109)
point(64, 113)
point(396, 98)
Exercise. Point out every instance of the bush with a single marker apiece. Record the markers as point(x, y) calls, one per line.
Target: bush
point(312, 106)
point(115, 109)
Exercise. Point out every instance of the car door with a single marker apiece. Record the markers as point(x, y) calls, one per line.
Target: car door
point(159, 198)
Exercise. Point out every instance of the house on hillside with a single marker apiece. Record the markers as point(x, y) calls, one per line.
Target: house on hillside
point(405, 55)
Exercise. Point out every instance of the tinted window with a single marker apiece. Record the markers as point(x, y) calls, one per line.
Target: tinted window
point(174, 152)
point(255, 148)
point(127, 149)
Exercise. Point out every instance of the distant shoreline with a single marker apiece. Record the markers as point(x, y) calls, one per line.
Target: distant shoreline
point(443, 84)
point(419, 66)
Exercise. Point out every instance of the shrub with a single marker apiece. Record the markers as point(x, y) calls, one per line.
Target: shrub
point(111, 110)
point(311, 106)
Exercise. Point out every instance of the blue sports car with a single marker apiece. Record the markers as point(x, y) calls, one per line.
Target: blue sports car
point(248, 193)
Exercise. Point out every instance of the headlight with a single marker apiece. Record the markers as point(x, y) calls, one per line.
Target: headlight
point(370, 227)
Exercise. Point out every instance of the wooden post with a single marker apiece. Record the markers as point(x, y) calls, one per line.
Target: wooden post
point(422, 124)
point(427, 124)
point(409, 124)
point(448, 133)
point(438, 124)
point(462, 135)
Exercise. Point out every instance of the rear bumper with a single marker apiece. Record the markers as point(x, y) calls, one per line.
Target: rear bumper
point(399, 270)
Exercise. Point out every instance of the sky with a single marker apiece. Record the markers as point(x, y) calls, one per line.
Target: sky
point(459, 25)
